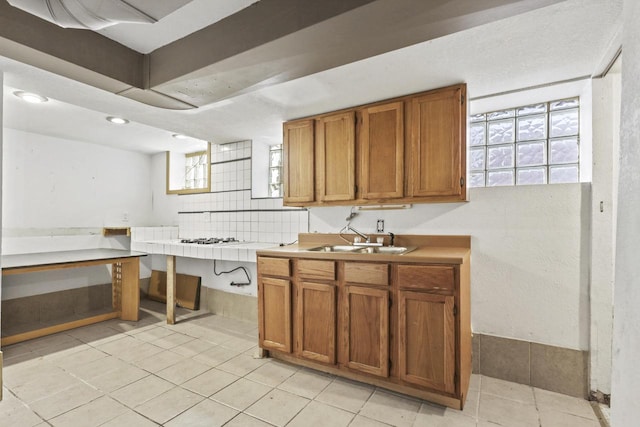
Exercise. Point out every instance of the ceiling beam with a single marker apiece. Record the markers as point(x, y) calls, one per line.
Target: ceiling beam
point(274, 41)
point(250, 28)
point(269, 42)
point(88, 56)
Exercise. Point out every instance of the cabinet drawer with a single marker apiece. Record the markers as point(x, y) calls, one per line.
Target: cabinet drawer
point(368, 273)
point(434, 277)
point(313, 269)
point(274, 266)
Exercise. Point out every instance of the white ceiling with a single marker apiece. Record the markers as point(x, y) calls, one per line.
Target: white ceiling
point(556, 43)
point(192, 17)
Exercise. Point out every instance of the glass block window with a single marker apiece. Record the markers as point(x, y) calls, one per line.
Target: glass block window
point(195, 170)
point(275, 171)
point(532, 144)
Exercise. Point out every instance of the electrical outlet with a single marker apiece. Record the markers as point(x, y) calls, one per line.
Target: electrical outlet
point(380, 226)
point(125, 216)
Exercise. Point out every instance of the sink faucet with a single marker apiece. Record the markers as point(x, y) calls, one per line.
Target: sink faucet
point(392, 238)
point(367, 239)
point(364, 236)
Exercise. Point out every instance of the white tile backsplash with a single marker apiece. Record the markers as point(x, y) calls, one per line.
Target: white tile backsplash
point(229, 209)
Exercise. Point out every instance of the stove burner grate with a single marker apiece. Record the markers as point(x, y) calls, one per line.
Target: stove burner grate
point(210, 240)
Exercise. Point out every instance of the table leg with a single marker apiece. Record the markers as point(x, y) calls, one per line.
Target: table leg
point(1, 380)
point(130, 290)
point(171, 289)
point(116, 286)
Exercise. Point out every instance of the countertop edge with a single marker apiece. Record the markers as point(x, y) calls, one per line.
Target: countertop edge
point(429, 254)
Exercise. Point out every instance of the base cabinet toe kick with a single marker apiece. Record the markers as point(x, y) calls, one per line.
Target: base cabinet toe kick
point(404, 326)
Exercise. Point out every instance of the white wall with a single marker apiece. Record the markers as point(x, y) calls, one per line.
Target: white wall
point(626, 333)
point(259, 169)
point(599, 116)
point(229, 211)
point(606, 123)
point(51, 182)
point(529, 262)
point(58, 194)
point(164, 206)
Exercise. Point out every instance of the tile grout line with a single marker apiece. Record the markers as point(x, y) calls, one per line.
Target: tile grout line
point(123, 332)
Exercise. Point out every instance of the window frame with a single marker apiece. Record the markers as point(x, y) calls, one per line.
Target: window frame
point(200, 165)
point(278, 167)
point(183, 190)
point(515, 115)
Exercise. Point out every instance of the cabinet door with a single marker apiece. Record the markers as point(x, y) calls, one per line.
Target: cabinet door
point(367, 329)
point(275, 314)
point(438, 128)
point(427, 340)
point(382, 151)
point(316, 322)
point(298, 161)
point(335, 157)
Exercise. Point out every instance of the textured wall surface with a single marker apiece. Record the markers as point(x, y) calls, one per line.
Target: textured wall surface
point(626, 335)
point(52, 182)
point(58, 194)
point(529, 256)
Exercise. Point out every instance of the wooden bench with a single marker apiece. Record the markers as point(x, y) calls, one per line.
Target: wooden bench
point(125, 283)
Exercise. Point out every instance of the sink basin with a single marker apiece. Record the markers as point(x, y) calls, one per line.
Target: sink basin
point(335, 248)
point(388, 250)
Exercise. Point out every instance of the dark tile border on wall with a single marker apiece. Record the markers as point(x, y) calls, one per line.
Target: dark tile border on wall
point(558, 369)
point(244, 210)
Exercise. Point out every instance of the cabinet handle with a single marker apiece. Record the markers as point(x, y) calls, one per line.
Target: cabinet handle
point(462, 182)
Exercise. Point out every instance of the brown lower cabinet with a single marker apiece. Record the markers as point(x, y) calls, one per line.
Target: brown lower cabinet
point(426, 347)
point(366, 329)
point(275, 328)
point(316, 321)
point(402, 326)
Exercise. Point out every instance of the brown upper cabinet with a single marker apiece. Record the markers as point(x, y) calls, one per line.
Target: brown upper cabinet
point(381, 140)
point(335, 157)
point(438, 144)
point(298, 170)
point(404, 150)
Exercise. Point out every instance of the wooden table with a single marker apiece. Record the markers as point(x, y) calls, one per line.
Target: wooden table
point(125, 281)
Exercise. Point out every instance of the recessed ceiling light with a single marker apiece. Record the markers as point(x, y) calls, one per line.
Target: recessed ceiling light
point(33, 98)
point(117, 120)
point(179, 136)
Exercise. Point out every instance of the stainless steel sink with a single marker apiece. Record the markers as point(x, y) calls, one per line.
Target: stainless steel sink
point(335, 248)
point(388, 250)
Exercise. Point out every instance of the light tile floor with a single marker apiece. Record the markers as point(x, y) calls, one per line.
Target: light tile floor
point(201, 372)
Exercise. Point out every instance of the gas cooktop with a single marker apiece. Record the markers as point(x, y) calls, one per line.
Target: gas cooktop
point(210, 240)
